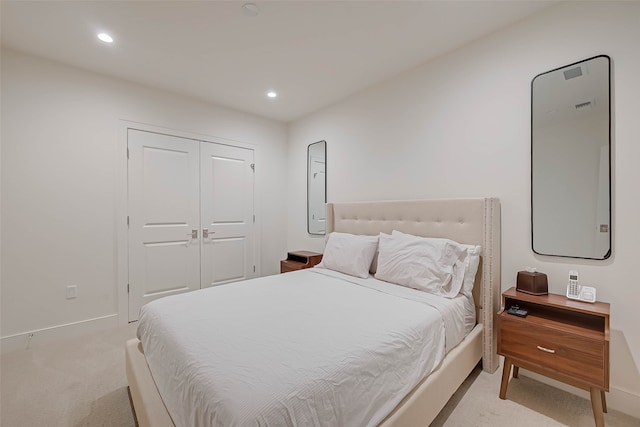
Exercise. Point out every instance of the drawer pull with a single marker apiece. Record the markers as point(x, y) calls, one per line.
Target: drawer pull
point(547, 350)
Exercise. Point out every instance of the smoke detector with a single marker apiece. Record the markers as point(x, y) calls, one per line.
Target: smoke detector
point(250, 9)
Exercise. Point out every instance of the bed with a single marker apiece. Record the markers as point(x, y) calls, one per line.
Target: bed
point(469, 221)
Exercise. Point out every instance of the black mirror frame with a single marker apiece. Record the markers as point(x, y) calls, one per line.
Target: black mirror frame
point(308, 183)
point(608, 254)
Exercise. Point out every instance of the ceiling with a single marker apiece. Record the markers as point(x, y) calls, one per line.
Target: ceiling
point(312, 53)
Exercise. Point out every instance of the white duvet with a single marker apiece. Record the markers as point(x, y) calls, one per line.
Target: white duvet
point(306, 348)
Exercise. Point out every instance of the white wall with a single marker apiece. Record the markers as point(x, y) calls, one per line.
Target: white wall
point(59, 184)
point(459, 126)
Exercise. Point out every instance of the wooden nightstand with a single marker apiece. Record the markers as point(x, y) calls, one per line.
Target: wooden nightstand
point(560, 338)
point(299, 260)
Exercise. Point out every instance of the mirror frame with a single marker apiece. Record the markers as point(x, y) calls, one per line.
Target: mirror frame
point(309, 185)
point(610, 251)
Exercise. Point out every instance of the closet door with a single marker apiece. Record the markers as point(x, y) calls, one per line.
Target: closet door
point(227, 214)
point(164, 223)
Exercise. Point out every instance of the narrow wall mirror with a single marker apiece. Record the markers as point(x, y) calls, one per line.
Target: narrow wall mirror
point(571, 160)
point(316, 187)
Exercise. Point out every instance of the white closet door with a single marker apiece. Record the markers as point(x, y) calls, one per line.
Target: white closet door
point(227, 214)
point(164, 255)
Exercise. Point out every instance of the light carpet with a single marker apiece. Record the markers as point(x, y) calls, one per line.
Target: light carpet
point(82, 382)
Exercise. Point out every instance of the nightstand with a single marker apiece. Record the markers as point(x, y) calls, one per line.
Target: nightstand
point(299, 260)
point(563, 339)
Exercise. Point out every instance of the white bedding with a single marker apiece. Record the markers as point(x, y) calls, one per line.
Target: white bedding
point(306, 348)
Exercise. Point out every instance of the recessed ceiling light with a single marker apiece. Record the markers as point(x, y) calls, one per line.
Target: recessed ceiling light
point(105, 37)
point(272, 94)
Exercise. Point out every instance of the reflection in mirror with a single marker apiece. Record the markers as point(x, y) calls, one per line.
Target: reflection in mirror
point(570, 161)
point(316, 187)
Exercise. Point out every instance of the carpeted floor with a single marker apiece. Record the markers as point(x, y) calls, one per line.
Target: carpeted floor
point(82, 382)
point(77, 382)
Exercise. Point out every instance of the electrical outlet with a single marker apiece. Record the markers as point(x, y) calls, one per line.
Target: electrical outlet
point(72, 291)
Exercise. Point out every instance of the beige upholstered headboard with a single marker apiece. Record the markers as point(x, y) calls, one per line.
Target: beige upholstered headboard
point(469, 221)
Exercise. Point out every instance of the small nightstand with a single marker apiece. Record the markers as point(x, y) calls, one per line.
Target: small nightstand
point(563, 339)
point(299, 260)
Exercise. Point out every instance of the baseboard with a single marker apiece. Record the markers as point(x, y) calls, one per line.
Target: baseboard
point(39, 337)
point(617, 398)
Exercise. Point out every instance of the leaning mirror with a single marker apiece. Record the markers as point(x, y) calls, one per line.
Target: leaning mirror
point(316, 187)
point(570, 160)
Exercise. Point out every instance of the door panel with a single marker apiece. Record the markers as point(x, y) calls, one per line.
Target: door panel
point(225, 188)
point(227, 214)
point(229, 256)
point(166, 175)
point(163, 180)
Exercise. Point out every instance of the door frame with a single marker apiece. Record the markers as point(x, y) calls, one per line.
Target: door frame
point(122, 208)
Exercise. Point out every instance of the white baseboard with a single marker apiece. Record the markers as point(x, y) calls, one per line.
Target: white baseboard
point(617, 398)
point(38, 337)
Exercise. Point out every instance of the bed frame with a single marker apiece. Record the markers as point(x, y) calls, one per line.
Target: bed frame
point(469, 221)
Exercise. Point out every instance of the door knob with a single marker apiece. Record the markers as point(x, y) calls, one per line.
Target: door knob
point(205, 233)
point(193, 234)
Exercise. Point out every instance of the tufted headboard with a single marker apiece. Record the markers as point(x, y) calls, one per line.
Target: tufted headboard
point(469, 221)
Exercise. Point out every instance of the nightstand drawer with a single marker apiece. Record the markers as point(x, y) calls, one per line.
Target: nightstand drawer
point(577, 356)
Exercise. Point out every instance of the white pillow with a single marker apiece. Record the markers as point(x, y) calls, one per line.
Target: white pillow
point(471, 267)
point(349, 253)
point(374, 262)
point(432, 265)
